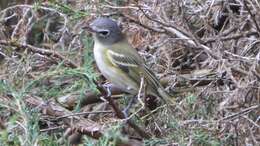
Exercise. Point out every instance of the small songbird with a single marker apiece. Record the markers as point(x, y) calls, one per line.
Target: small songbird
point(119, 62)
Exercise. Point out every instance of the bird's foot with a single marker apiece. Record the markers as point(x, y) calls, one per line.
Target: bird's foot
point(108, 87)
point(128, 107)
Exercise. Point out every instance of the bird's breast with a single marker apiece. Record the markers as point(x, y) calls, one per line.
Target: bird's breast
point(100, 55)
point(111, 71)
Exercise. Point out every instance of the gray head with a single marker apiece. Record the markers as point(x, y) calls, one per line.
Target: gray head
point(106, 31)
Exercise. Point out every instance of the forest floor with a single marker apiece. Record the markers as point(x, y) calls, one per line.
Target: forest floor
point(206, 54)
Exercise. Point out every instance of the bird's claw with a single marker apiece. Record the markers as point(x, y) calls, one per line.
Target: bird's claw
point(107, 86)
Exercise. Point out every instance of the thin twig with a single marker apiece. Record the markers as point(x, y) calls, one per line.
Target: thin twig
point(243, 112)
point(40, 51)
point(120, 114)
point(132, 20)
point(140, 91)
point(83, 113)
point(174, 30)
point(53, 128)
point(252, 16)
point(232, 37)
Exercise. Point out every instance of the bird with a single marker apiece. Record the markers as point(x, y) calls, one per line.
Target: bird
point(119, 62)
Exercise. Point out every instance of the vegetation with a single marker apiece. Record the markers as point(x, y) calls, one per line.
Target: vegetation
point(205, 52)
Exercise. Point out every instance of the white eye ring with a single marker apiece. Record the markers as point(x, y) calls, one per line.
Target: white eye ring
point(104, 33)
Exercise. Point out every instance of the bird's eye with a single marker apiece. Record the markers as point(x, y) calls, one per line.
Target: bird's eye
point(104, 33)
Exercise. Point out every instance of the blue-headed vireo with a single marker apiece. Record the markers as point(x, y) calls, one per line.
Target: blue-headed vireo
point(119, 62)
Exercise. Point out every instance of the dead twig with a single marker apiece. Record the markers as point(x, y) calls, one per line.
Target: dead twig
point(243, 112)
point(120, 114)
point(42, 51)
point(83, 113)
point(252, 16)
point(231, 37)
point(176, 31)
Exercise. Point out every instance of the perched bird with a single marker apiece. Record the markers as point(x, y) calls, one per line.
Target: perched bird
point(119, 62)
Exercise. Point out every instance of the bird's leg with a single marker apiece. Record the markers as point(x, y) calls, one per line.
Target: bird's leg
point(129, 105)
point(108, 89)
point(108, 93)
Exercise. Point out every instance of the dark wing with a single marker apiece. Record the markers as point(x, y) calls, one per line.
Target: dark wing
point(134, 67)
point(127, 64)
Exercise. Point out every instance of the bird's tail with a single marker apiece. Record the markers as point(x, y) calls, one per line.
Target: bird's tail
point(156, 85)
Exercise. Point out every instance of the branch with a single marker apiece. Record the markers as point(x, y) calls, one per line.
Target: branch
point(120, 114)
point(233, 37)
